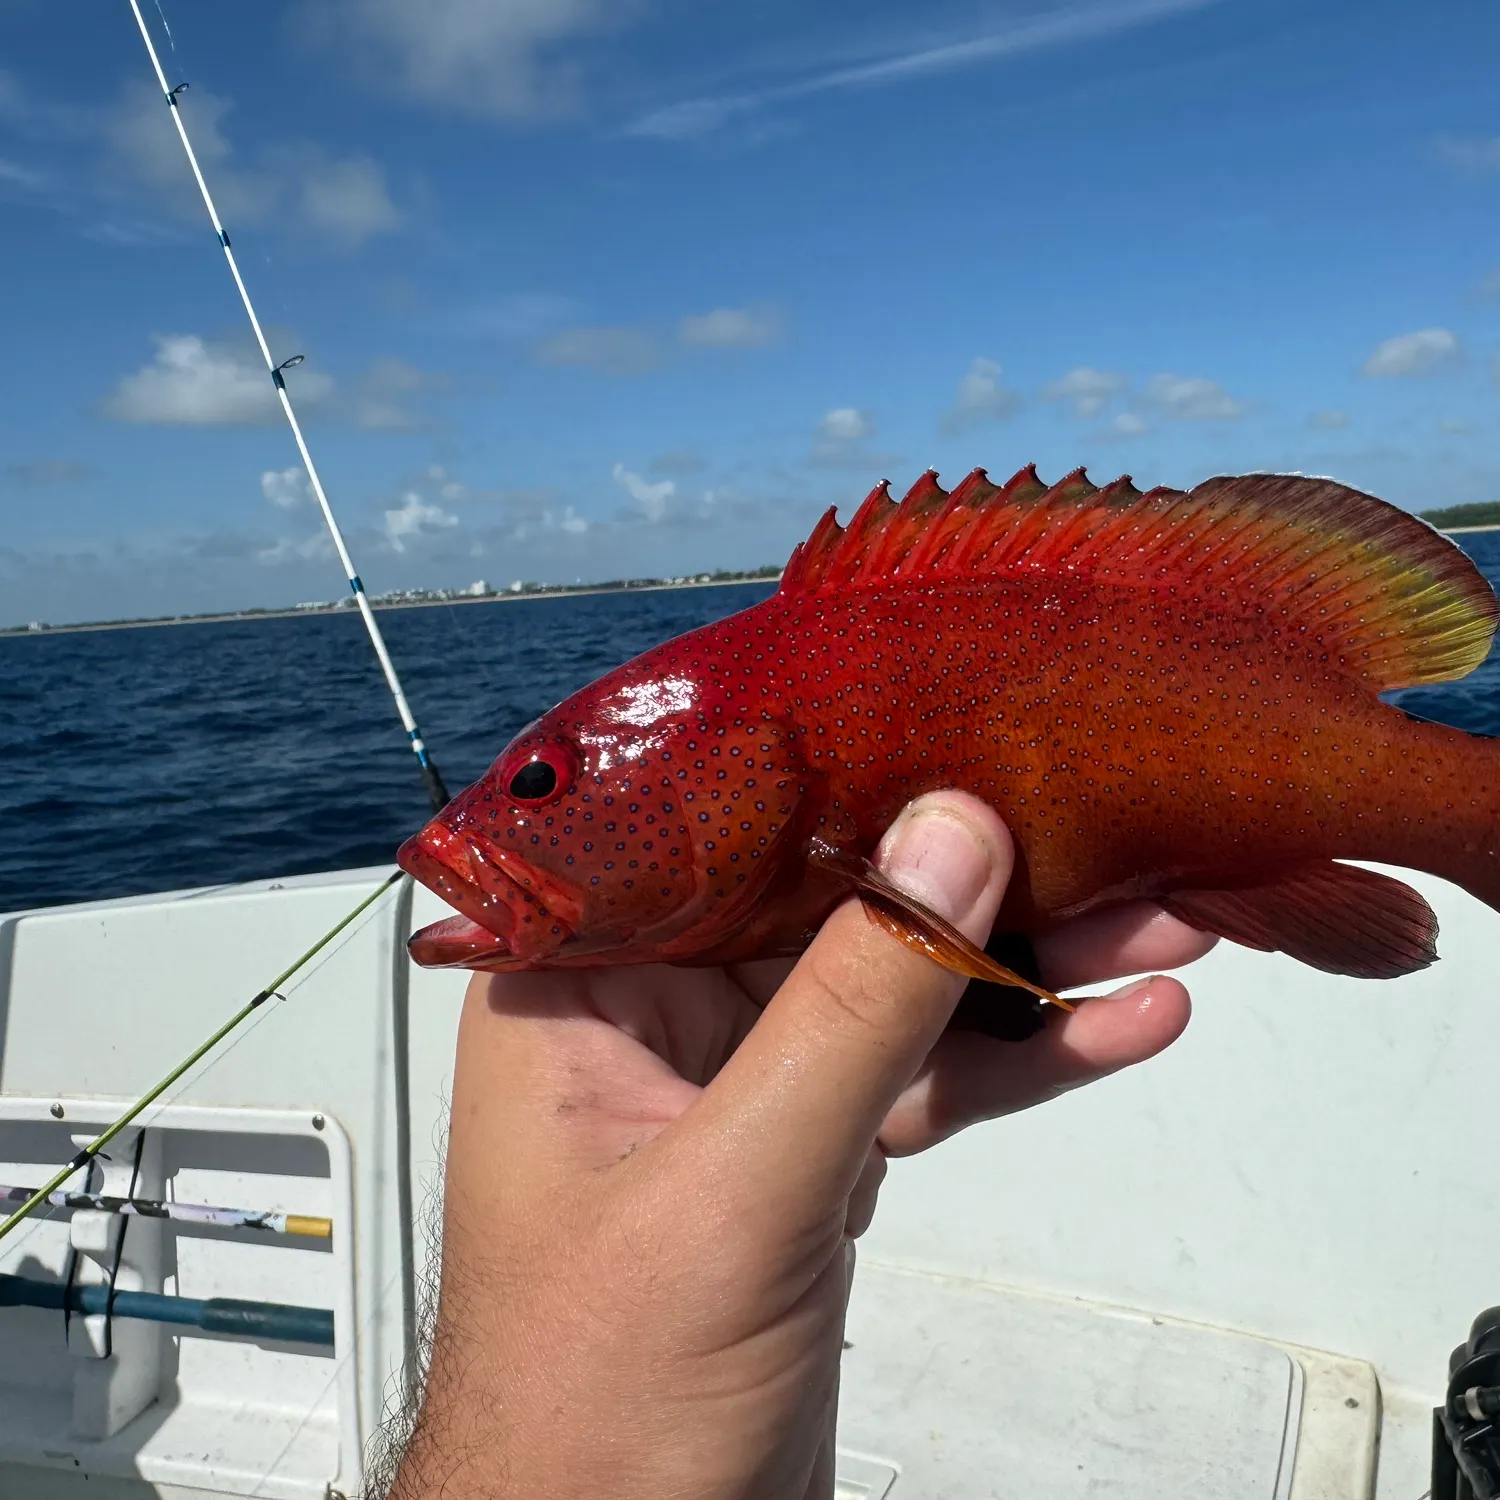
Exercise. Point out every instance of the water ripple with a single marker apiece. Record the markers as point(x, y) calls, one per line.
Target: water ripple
point(146, 760)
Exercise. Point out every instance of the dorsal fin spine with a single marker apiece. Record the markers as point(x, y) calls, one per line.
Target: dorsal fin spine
point(1390, 599)
point(809, 562)
point(906, 525)
point(1017, 494)
point(862, 532)
point(967, 498)
point(791, 574)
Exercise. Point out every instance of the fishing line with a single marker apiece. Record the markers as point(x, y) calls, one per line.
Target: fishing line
point(170, 41)
point(187, 1079)
point(97, 1145)
point(264, 1014)
point(436, 790)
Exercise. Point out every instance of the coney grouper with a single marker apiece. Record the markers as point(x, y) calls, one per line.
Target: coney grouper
point(1170, 695)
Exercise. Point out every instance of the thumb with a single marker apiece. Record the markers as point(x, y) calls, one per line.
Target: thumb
point(798, 1106)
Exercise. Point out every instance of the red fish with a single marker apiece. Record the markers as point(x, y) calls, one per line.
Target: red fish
point(1166, 695)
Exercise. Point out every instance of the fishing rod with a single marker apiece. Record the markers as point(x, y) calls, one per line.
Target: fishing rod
point(268, 1221)
point(222, 1315)
point(95, 1146)
point(436, 790)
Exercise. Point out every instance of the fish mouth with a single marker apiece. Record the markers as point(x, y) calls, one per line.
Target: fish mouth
point(509, 910)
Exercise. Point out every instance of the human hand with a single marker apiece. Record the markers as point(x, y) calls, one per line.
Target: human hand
point(655, 1177)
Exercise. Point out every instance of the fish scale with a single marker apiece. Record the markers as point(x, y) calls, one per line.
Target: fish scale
point(1166, 695)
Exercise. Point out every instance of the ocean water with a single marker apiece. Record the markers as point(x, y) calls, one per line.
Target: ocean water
point(183, 755)
point(153, 759)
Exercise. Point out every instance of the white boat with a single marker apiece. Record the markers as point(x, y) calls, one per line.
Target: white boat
point(1236, 1271)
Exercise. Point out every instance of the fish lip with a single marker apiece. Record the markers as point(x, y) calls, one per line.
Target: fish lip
point(443, 945)
point(429, 859)
point(497, 890)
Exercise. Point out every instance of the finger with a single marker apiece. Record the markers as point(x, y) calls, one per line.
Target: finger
point(862, 1200)
point(789, 1121)
point(1136, 937)
point(760, 978)
point(968, 1078)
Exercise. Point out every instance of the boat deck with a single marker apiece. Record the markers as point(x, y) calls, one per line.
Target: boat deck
point(1237, 1271)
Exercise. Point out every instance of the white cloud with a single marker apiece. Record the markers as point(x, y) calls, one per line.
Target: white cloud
point(1425, 352)
point(615, 350)
point(193, 383)
point(312, 548)
point(731, 328)
point(694, 117)
point(1059, 27)
point(1328, 421)
point(652, 498)
point(338, 203)
point(574, 525)
point(381, 402)
point(1126, 425)
point(518, 315)
point(140, 139)
point(1471, 153)
point(346, 201)
point(845, 424)
point(981, 398)
point(286, 489)
point(1191, 398)
point(487, 57)
point(415, 517)
point(19, 176)
point(842, 441)
point(1088, 389)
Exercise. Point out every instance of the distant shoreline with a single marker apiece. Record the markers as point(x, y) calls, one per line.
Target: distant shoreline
point(350, 609)
point(505, 597)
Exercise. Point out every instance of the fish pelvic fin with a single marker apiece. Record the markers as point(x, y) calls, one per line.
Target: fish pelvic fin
point(1390, 599)
point(918, 926)
point(1338, 918)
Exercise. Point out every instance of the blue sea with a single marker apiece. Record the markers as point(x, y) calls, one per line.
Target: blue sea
point(151, 759)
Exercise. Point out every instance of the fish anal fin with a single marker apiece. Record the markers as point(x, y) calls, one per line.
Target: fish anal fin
point(917, 925)
point(1338, 918)
point(1393, 602)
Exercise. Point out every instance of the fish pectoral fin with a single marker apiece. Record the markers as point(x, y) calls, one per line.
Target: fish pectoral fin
point(1338, 918)
point(917, 925)
point(1003, 1012)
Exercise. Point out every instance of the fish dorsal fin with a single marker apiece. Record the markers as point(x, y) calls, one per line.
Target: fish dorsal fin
point(1394, 601)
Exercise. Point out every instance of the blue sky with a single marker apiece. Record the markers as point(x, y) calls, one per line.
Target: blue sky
point(602, 287)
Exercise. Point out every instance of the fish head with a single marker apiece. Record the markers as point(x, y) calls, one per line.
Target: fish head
point(640, 818)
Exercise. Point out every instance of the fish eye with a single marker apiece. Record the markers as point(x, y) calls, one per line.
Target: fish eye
point(540, 773)
point(535, 779)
